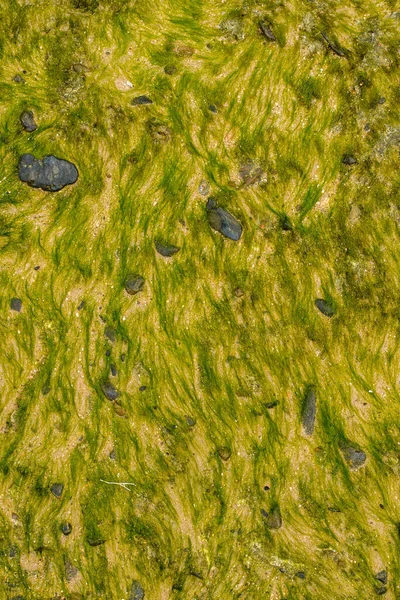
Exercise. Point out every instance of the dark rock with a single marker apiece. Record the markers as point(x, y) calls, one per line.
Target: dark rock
point(70, 571)
point(380, 591)
point(141, 100)
point(12, 552)
point(122, 357)
point(79, 68)
point(37, 268)
point(170, 69)
point(113, 370)
point(285, 223)
point(382, 577)
point(49, 173)
point(81, 305)
point(18, 79)
point(142, 388)
point(95, 541)
point(267, 33)
point(167, 250)
point(353, 456)
point(334, 47)
point(300, 574)
point(274, 519)
point(28, 121)
point(213, 108)
point(110, 333)
point(271, 404)
point(113, 455)
point(66, 528)
point(137, 592)
point(222, 221)
point(382, 100)
point(224, 453)
point(108, 352)
point(190, 421)
point(57, 489)
point(46, 389)
point(134, 284)
point(325, 307)
point(308, 410)
point(16, 304)
point(110, 392)
point(349, 160)
point(211, 203)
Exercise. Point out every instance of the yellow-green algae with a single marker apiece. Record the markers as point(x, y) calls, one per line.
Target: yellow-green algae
point(225, 336)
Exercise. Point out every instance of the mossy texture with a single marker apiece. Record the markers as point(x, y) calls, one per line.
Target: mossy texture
point(158, 439)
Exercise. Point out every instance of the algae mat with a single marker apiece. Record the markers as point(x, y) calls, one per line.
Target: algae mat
point(199, 315)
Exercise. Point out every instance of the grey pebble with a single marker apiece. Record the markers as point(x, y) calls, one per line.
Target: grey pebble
point(110, 392)
point(66, 528)
point(382, 576)
point(349, 160)
point(166, 250)
point(190, 421)
point(170, 69)
point(354, 456)
point(380, 591)
point(300, 574)
point(16, 304)
point(382, 100)
point(140, 100)
point(113, 455)
point(134, 284)
point(222, 221)
point(70, 571)
point(18, 79)
point(273, 519)
point(142, 388)
point(113, 370)
point(325, 307)
point(110, 333)
point(213, 108)
point(28, 121)
point(49, 173)
point(309, 410)
point(57, 489)
point(267, 33)
point(137, 592)
point(95, 541)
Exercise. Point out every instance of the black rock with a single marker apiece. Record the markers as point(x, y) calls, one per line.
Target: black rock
point(141, 100)
point(16, 304)
point(110, 333)
point(308, 410)
point(380, 591)
point(137, 592)
point(113, 370)
point(66, 528)
point(28, 121)
point(222, 221)
point(110, 392)
point(382, 100)
point(211, 203)
point(81, 305)
point(349, 160)
point(142, 388)
point(95, 541)
point(122, 357)
point(354, 456)
point(267, 33)
point(57, 489)
point(166, 251)
point(213, 108)
point(113, 455)
point(134, 284)
point(49, 173)
point(325, 307)
point(300, 574)
point(18, 79)
point(108, 352)
point(382, 577)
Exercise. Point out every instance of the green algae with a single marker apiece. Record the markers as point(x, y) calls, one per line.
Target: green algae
point(223, 333)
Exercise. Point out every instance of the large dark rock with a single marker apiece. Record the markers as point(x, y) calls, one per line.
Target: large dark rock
point(222, 221)
point(49, 173)
point(16, 304)
point(308, 410)
point(110, 392)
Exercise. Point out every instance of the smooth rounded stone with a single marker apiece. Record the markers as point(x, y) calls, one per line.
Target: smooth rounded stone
point(94, 541)
point(380, 591)
point(57, 489)
point(110, 333)
point(382, 100)
point(110, 392)
point(113, 370)
point(382, 577)
point(222, 221)
point(354, 457)
point(137, 592)
point(349, 160)
point(50, 173)
point(309, 410)
point(79, 68)
point(213, 108)
point(66, 528)
point(16, 304)
point(28, 120)
point(134, 284)
point(325, 307)
point(166, 250)
point(267, 33)
point(204, 188)
point(273, 520)
point(141, 100)
point(224, 453)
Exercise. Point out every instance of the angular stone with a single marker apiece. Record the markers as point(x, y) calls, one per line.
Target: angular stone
point(28, 121)
point(49, 173)
point(134, 284)
point(222, 221)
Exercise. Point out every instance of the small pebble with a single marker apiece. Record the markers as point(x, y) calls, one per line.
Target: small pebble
point(66, 528)
point(213, 108)
point(113, 370)
point(309, 410)
point(224, 453)
point(166, 250)
point(95, 541)
point(108, 352)
point(267, 33)
point(325, 307)
point(113, 455)
point(266, 488)
point(382, 100)
point(57, 489)
point(18, 79)
point(380, 591)
point(300, 574)
point(190, 421)
point(274, 519)
point(79, 68)
point(170, 69)
point(204, 188)
point(134, 284)
point(110, 333)
point(70, 571)
point(37, 268)
point(28, 121)
point(349, 160)
point(142, 388)
point(16, 304)
point(222, 221)
point(137, 592)
point(141, 100)
point(382, 577)
point(272, 404)
point(110, 392)
point(122, 357)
